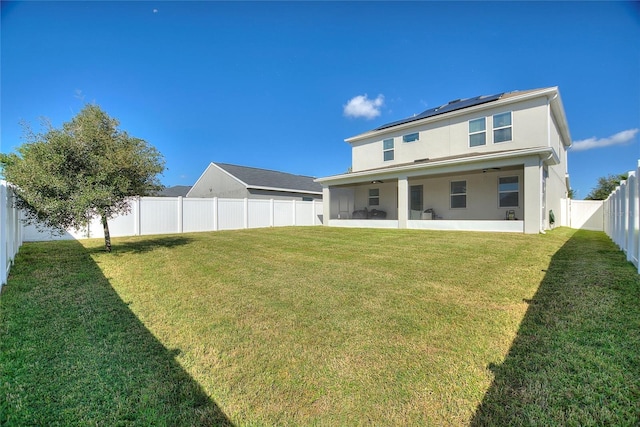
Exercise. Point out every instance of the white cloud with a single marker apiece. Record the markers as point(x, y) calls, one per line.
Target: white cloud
point(77, 94)
point(362, 106)
point(618, 139)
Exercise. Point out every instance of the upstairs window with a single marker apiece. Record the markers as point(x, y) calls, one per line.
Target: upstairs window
point(411, 137)
point(502, 127)
point(508, 192)
point(387, 149)
point(477, 132)
point(374, 196)
point(458, 194)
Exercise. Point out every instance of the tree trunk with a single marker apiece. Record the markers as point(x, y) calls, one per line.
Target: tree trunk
point(107, 236)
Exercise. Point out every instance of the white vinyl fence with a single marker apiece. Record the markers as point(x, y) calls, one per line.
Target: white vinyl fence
point(585, 214)
point(10, 231)
point(621, 217)
point(167, 215)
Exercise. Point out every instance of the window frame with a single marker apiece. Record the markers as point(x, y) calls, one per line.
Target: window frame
point(479, 132)
point(386, 150)
point(500, 192)
point(500, 128)
point(452, 194)
point(410, 137)
point(374, 196)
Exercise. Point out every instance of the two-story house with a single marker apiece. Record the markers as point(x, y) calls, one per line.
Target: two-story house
point(489, 163)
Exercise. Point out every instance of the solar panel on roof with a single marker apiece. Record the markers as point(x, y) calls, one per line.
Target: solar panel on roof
point(458, 104)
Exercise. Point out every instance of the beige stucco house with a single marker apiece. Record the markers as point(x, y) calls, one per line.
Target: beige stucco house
point(489, 163)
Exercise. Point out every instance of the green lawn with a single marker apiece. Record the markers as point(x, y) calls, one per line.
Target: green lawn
point(322, 326)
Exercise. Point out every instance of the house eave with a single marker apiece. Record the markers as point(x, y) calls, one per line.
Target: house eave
point(544, 153)
point(283, 190)
point(557, 109)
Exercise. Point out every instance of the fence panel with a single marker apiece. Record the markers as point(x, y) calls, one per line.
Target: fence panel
point(587, 215)
point(166, 215)
point(283, 213)
point(122, 225)
point(260, 214)
point(11, 233)
point(231, 214)
point(197, 215)
point(159, 215)
point(622, 216)
point(305, 213)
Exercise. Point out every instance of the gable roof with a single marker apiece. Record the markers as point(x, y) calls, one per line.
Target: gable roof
point(264, 179)
point(175, 191)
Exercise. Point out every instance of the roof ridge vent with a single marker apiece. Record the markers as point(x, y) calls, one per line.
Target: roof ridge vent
point(454, 101)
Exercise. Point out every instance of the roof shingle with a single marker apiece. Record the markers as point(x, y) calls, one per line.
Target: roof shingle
point(260, 178)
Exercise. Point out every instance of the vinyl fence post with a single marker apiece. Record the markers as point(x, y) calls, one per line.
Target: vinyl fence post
point(293, 218)
point(631, 197)
point(636, 221)
point(246, 212)
point(313, 212)
point(136, 216)
point(180, 207)
point(3, 233)
point(10, 220)
point(271, 213)
point(215, 214)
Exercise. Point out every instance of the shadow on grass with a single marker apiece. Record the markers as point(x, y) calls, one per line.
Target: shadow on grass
point(72, 353)
point(146, 245)
point(576, 357)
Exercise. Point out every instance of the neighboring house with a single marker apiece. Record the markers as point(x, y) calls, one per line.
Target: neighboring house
point(493, 163)
point(239, 182)
point(175, 191)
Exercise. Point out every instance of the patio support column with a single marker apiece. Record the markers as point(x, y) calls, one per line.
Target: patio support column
point(403, 201)
point(532, 189)
point(326, 205)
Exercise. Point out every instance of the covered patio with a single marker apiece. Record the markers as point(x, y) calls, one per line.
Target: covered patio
point(497, 192)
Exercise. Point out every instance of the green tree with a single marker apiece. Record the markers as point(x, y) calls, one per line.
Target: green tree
point(606, 185)
point(87, 169)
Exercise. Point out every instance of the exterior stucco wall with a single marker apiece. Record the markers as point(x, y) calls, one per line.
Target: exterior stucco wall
point(450, 137)
point(388, 198)
point(216, 183)
point(556, 180)
point(482, 196)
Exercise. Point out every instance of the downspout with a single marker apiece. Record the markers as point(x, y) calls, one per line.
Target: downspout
point(549, 119)
point(543, 185)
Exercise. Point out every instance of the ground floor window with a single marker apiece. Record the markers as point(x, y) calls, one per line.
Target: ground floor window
point(374, 197)
point(458, 194)
point(508, 192)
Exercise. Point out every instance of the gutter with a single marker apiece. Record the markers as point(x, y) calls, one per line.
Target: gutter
point(284, 190)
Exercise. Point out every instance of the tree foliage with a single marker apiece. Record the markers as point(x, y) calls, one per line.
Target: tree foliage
point(86, 169)
point(606, 186)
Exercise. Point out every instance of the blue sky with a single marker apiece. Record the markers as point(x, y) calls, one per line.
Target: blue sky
point(281, 85)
